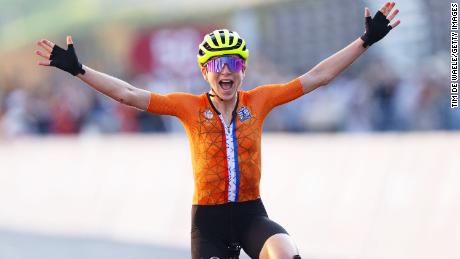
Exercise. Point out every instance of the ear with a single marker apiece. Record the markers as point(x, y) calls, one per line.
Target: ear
point(204, 72)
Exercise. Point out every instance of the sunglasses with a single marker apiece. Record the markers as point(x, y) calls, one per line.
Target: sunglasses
point(235, 64)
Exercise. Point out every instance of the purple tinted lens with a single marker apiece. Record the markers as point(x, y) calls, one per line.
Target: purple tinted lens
point(235, 64)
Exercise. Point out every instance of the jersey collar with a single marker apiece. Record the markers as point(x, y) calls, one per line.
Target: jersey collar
point(215, 109)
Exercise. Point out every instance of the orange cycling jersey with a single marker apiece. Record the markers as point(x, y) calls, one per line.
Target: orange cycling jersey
point(226, 159)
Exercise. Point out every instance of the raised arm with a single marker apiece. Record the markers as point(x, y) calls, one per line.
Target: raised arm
point(330, 68)
point(113, 87)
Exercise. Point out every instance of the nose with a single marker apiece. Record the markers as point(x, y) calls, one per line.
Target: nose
point(225, 70)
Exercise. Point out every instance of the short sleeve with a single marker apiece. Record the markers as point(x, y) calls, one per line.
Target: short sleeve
point(267, 97)
point(175, 104)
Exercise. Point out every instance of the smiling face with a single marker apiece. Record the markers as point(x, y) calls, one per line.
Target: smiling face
point(224, 83)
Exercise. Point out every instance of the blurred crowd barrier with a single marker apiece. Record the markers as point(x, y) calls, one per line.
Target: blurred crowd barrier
point(400, 84)
point(387, 196)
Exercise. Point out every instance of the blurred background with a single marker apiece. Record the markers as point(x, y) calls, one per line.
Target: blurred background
point(401, 84)
point(55, 131)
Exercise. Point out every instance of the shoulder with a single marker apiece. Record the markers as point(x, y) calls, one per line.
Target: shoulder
point(173, 103)
point(184, 95)
point(258, 90)
point(179, 96)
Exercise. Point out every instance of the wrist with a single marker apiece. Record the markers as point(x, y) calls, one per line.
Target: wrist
point(80, 70)
point(81, 75)
point(365, 41)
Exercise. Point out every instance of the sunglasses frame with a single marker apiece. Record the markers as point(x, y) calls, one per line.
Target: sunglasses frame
point(219, 63)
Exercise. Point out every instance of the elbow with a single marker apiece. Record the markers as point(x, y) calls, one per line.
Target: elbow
point(325, 79)
point(320, 77)
point(314, 79)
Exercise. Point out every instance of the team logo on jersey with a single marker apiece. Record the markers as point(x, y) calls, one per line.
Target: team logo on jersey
point(244, 114)
point(208, 114)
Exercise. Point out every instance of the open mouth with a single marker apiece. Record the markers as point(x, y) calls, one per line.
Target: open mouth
point(226, 84)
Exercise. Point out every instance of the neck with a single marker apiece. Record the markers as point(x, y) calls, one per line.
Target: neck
point(223, 106)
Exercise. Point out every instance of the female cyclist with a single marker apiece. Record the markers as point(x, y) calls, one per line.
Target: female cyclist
point(224, 127)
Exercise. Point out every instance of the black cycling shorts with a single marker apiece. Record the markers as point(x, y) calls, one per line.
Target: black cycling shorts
point(215, 228)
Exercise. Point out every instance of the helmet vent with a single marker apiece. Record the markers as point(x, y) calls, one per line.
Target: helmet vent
point(222, 36)
point(240, 41)
point(214, 40)
point(207, 47)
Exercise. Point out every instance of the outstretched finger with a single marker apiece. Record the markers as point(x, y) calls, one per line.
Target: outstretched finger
point(367, 12)
point(49, 43)
point(41, 54)
point(44, 63)
point(385, 8)
point(395, 24)
point(69, 40)
point(392, 15)
point(392, 5)
point(45, 45)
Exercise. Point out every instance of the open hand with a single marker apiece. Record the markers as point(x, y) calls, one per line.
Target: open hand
point(379, 26)
point(56, 56)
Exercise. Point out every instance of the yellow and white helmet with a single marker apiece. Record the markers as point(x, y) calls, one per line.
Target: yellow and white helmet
point(221, 42)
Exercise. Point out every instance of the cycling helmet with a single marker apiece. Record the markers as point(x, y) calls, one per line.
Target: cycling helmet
point(221, 42)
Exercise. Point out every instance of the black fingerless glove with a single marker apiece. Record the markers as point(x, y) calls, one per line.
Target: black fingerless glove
point(376, 29)
point(66, 60)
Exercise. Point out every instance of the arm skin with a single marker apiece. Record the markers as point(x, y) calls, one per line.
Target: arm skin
point(330, 68)
point(113, 87)
point(116, 89)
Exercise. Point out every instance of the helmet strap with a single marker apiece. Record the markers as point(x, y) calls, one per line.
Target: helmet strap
point(215, 94)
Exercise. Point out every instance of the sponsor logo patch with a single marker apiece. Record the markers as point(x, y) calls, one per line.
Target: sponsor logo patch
point(244, 114)
point(208, 114)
